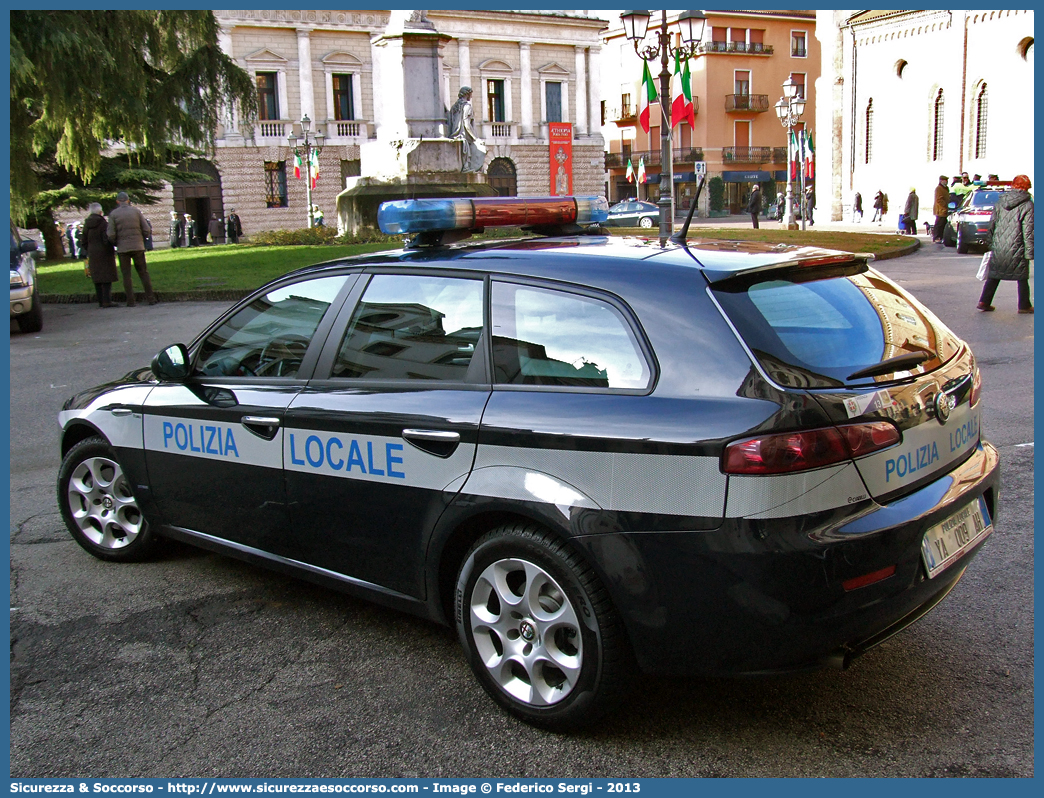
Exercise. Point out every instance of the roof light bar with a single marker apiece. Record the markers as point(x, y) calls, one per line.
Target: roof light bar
point(432, 215)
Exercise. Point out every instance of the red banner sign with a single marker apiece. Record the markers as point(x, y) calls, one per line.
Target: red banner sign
point(561, 134)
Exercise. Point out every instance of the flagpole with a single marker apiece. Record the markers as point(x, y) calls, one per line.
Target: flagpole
point(308, 147)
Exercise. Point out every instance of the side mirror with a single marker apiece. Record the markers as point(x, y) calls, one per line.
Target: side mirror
point(27, 246)
point(171, 365)
point(953, 206)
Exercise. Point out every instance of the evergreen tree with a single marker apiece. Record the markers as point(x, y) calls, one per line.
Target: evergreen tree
point(84, 82)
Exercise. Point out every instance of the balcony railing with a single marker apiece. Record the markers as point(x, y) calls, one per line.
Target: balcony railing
point(626, 114)
point(799, 52)
point(680, 155)
point(348, 128)
point(269, 130)
point(759, 103)
point(498, 130)
point(746, 48)
point(779, 154)
point(747, 154)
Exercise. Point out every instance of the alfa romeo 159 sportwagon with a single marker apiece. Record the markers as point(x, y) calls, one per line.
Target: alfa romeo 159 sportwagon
point(593, 456)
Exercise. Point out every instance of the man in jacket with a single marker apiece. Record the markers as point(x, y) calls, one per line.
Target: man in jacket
point(941, 209)
point(911, 211)
point(754, 204)
point(234, 228)
point(128, 229)
point(176, 230)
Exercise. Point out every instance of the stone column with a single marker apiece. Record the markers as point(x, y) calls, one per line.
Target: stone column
point(229, 116)
point(594, 92)
point(304, 71)
point(464, 57)
point(526, 91)
point(580, 129)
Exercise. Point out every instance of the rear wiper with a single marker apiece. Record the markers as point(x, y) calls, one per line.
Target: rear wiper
point(897, 363)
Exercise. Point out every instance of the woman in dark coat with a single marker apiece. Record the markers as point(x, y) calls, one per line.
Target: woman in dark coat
point(1011, 244)
point(101, 255)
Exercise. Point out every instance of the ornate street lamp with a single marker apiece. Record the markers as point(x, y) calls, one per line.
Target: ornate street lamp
point(304, 150)
point(789, 110)
point(691, 25)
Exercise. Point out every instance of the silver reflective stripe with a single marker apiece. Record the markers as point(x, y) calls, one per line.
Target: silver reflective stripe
point(783, 495)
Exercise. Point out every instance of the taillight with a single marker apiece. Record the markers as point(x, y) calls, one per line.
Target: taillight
point(976, 388)
point(803, 450)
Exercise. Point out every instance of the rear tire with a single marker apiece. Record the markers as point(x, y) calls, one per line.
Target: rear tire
point(962, 245)
point(948, 237)
point(645, 221)
point(98, 507)
point(539, 629)
point(33, 320)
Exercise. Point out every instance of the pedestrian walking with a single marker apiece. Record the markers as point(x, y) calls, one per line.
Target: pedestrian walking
point(216, 230)
point(233, 228)
point(127, 229)
point(177, 230)
point(101, 256)
point(879, 208)
point(188, 227)
point(781, 205)
point(857, 207)
point(910, 211)
point(754, 204)
point(1010, 241)
point(810, 203)
point(941, 209)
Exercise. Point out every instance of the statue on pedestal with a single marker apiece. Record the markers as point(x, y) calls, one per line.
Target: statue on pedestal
point(461, 128)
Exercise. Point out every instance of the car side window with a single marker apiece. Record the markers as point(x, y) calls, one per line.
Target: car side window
point(550, 337)
point(269, 337)
point(412, 327)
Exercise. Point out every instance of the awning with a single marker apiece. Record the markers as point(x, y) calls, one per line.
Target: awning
point(746, 177)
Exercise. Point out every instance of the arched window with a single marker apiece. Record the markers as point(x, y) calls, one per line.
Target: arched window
point(937, 126)
point(502, 177)
point(980, 122)
point(869, 129)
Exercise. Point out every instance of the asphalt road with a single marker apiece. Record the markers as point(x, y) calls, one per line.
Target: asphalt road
point(197, 665)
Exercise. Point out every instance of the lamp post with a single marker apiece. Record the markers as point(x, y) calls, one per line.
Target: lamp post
point(304, 150)
point(691, 25)
point(789, 110)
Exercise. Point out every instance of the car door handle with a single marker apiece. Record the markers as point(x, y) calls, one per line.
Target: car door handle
point(120, 411)
point(263, 426)
point(440, 443)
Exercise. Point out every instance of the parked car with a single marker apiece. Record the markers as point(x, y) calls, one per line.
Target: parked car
point(968, 225)
point(594, 457)
point(634, 213)
point(25, 302)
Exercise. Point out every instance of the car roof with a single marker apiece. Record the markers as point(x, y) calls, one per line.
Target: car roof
point(575, 258)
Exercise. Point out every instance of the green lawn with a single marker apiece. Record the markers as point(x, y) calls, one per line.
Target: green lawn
point(242, 268)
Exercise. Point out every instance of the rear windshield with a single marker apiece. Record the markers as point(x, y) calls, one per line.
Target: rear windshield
point(981, 199)
point(817, 334)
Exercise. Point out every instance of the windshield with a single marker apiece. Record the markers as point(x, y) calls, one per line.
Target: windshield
point(981, 199)
point(817, 333)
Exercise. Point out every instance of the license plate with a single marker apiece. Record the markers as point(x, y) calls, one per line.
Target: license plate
point(945, 542)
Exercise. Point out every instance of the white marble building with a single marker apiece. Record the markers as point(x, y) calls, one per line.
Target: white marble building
point(907, 96)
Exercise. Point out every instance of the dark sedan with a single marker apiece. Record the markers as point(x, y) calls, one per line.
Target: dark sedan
point(634, 213)
point(968, 225)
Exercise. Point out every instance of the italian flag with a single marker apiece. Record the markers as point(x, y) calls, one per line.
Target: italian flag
point(681, 92)
point(809, 157)
point(646, 98)
point(315, 167)
point(630, 171)
point(297, 166)
point(795, 156)
point(641, 169)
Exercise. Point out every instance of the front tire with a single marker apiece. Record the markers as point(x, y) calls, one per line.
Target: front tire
point(98, 507)
point(645, 221)
point(539, 629)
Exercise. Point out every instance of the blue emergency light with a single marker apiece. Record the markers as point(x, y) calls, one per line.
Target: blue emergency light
point(475, 214)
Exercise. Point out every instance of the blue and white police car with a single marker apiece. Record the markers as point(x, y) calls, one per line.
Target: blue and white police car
point(593, 456)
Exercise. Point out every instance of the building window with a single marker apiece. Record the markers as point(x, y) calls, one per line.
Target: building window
point(275, 184)
point(344, 101)
point(980, 123)
point(743, 82)
point(553, 97)
point(350, 168)
point(797, 44)
point(937, 126)
point(869, 130)
point(267, 105)
point(495, 101)
point(798, 79)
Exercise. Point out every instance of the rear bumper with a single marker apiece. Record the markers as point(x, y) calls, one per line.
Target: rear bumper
point(760, 596)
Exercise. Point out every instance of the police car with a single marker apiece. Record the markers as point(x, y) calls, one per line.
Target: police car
point(969, 225)
point(595, 457)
